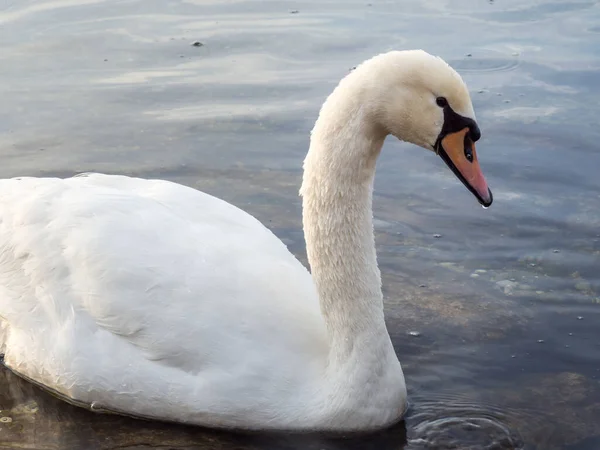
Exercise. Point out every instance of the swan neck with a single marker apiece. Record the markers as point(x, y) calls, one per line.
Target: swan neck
point(337, 218)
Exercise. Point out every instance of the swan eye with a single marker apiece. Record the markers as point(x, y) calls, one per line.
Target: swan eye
point(441, 102)
point(468, 148)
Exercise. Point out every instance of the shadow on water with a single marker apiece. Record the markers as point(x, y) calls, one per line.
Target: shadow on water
point(32, 422)
point(493, 314)
point(29, 422)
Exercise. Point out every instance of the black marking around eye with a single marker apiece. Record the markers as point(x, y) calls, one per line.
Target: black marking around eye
point(454, 122)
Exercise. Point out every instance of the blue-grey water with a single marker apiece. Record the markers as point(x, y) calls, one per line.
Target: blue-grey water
point(505, 301)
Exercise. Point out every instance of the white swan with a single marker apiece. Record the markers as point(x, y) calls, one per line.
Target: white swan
point(151, 299)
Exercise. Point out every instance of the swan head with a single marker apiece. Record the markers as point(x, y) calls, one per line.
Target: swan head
point(420, 99)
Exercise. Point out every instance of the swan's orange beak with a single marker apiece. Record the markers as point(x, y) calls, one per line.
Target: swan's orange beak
point(458, 152)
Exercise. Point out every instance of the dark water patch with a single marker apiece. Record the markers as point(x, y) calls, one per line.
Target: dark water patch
point(590, 443)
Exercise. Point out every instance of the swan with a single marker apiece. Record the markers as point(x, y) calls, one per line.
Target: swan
point(154, 300)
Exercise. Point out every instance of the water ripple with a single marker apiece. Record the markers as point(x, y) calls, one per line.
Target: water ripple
point(450, 422)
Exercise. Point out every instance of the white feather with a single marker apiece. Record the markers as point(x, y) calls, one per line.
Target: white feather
point(153, 299)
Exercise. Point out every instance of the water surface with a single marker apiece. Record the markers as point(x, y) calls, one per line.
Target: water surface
point(505, 301)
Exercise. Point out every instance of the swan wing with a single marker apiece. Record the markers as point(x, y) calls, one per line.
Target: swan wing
point(102, 277)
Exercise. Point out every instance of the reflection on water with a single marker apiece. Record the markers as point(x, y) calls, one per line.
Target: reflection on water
point(502, 304)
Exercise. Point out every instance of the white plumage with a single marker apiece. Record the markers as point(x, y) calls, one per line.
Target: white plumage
point(153, 299)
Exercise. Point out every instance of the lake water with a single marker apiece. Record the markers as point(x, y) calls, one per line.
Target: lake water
point(506, 301)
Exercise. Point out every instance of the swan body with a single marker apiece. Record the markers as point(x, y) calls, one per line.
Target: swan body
point(152, 299)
